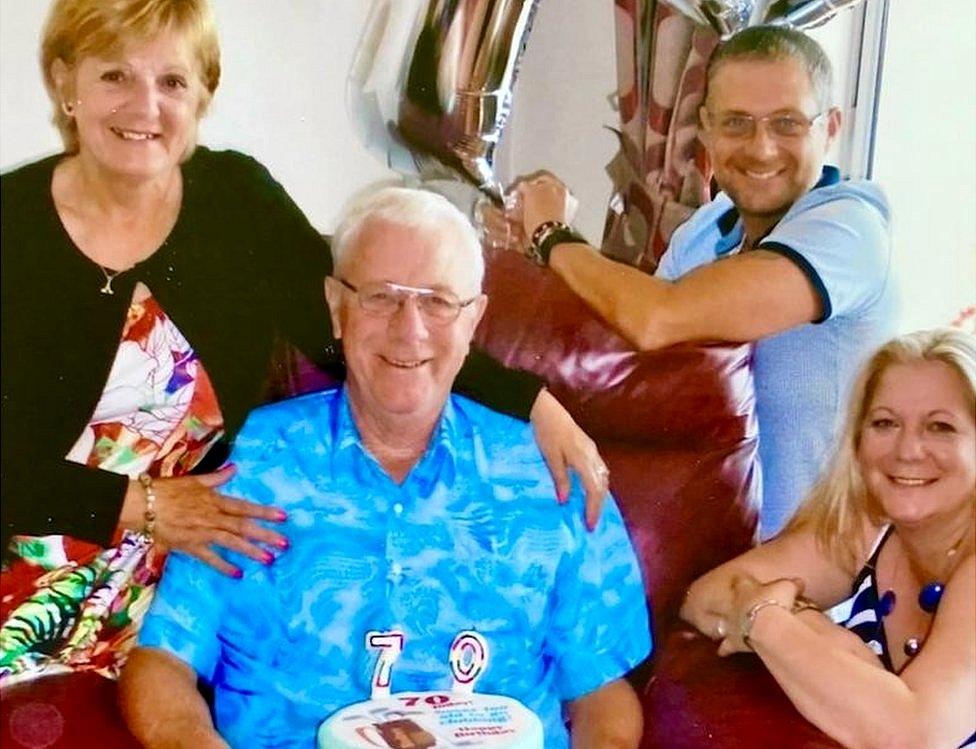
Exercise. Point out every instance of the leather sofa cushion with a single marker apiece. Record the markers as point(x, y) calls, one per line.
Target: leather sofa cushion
point(688, 395)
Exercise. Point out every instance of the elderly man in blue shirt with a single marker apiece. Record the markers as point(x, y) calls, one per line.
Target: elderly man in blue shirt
point(409, 508)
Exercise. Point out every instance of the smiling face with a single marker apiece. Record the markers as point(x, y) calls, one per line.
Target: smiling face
point(765, 174)
point(918, 443)
point(136, 112)
point(401, 367)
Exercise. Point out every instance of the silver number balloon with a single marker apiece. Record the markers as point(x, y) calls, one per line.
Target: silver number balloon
point(807, 15)
point(729, 16)
point(431, 83)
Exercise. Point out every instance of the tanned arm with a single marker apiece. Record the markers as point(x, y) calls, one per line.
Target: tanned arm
point(796, 555)
point(607, 718)
point(161, 704)
point(742, 298)
point(930, 704)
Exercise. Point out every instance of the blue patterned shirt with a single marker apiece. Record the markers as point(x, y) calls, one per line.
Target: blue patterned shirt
point(472, 539)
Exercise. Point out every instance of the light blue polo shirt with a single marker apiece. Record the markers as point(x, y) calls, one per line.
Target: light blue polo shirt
point(472, 539)
point(838, 234)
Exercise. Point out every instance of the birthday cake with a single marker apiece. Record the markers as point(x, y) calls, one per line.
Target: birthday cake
point(426, 720)
point(432, 720)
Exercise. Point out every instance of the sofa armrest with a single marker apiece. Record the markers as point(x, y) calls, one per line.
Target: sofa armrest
point(67, 710)
point(687, 395)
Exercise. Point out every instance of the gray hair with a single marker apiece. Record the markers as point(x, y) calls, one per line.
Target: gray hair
point(777, 43)
point(411, 208)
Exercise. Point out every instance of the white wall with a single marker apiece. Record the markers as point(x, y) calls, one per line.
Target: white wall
point(282, 100)
point(568, 69)
point(926, 156)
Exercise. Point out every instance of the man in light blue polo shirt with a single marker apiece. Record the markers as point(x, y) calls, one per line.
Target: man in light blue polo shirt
point(787, 255)
point(409, 509)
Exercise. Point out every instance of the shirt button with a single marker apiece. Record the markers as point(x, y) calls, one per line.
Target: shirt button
point(398, 509)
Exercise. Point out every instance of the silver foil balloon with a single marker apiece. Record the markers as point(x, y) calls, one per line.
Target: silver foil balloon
point(807, 15)
point(430, 88)
point(729, 16)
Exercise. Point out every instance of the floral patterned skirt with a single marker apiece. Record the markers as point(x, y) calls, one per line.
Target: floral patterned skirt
point(71, 606)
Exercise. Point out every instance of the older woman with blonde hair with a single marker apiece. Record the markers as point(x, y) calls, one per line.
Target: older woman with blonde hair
point(890, 528)
point(145, 281)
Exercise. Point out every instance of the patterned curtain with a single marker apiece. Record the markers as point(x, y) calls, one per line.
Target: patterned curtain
point(661, 173)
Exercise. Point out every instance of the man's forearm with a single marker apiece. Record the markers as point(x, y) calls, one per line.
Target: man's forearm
point(608, 718)
point(742, 298)
point(631, 301)
point(161, 704)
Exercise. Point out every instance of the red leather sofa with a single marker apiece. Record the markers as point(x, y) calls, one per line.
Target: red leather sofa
point(678, 430)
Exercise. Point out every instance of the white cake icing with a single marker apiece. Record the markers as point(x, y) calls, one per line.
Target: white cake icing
point(432, 720)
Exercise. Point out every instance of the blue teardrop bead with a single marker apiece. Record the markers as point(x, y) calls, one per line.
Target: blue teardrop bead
point(886, 603)
point(929, 597)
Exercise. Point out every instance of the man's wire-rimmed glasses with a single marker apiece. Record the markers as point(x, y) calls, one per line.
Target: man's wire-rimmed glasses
point(779, 124)
point(385, 298)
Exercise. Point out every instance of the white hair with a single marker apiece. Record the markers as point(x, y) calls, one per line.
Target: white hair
point(411, 208)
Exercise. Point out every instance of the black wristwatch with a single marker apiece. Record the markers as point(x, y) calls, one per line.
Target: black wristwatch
point(547, 235)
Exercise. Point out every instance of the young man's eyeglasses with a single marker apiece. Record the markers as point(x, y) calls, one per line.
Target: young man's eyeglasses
point(779, 124)
point(384, 298)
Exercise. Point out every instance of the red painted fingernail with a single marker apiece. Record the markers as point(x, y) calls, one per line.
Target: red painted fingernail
point(267, 557)
point(281, 515)
point(237, 573)
point(282, 544)
point(561, 494)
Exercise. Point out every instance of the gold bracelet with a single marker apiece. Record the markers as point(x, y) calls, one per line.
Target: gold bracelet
point(146, 482)
point(750, 618)
point(804, 604)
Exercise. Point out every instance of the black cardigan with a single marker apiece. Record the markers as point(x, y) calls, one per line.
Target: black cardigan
point(241, 264)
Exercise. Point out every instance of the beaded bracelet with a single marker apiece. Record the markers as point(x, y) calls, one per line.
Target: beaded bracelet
point(547, 235)
point(146, 482)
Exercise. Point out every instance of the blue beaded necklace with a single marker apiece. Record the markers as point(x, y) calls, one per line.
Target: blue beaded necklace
point(929, 598)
